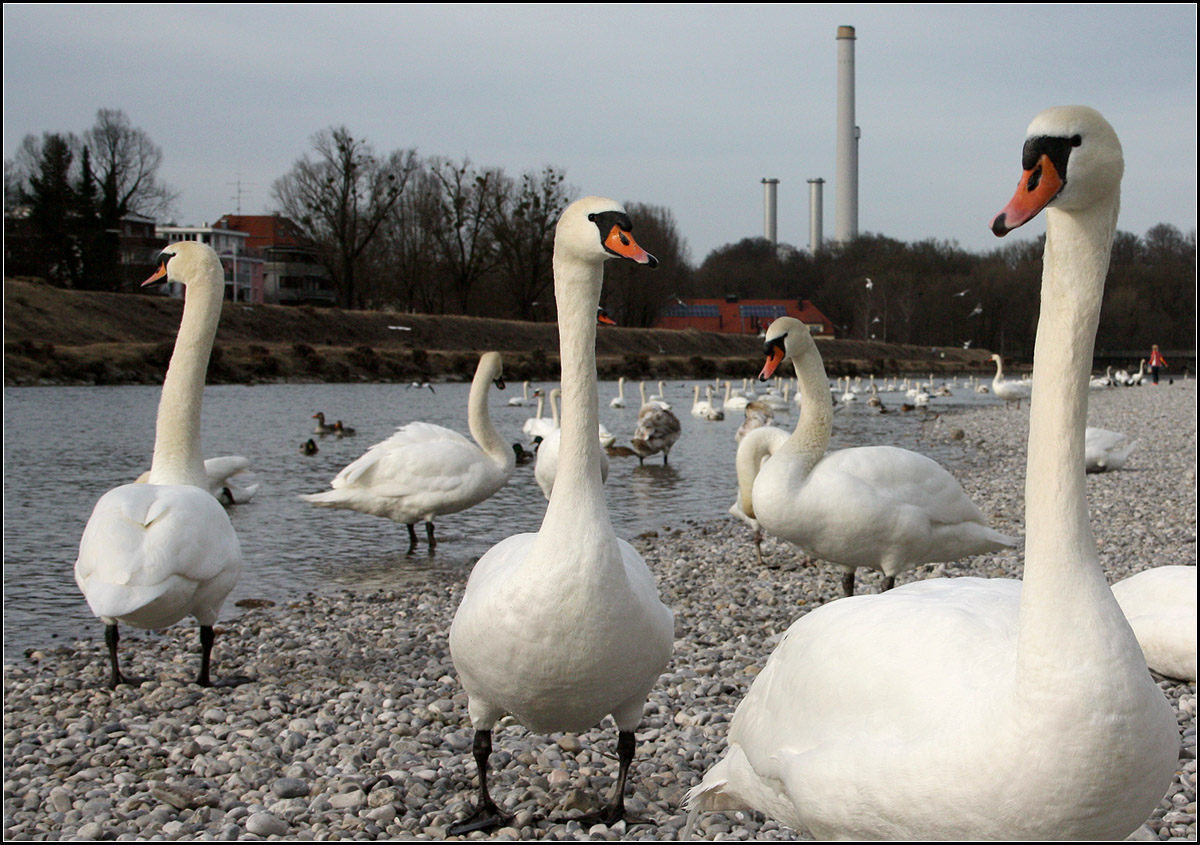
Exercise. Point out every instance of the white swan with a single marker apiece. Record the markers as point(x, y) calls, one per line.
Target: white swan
point(734, 399)
point(876, 506)
point(618, 401)
point(756, 446)
point(230, 480)
point(971, 708)
point(563, 627)
point(705, 410)
point(425, 470)
point(522, 400)
point(539, 426)
point(1160, 604)
point(154, 553)
point(1105, 450)
point(1009, 391)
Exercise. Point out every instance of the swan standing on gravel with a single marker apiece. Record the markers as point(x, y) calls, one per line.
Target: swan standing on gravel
point(563, 627)
point(424, 470)
point(154, 553)
point(1160, 604)
point(1105, 450)
point(876, 506)
point(1009, 391)
point(972, 708)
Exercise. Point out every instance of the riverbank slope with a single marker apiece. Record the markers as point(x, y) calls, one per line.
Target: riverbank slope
point(58, 336)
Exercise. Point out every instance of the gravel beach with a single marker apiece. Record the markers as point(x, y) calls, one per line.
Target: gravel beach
point(354, 726)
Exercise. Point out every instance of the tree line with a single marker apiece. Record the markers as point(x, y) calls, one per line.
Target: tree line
point(436, 235)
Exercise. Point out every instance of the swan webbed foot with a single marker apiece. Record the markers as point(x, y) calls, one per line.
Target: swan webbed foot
point(118, 679)
point(111, 637)
point(226, 683)
point(487, 816)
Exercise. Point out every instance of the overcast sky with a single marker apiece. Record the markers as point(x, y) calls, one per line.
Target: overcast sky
point(687, 107)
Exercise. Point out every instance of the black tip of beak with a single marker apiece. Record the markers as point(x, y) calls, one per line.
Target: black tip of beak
point(653, 262)
point(999, 227)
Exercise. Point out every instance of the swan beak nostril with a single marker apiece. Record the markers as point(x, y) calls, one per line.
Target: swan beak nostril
point(1038, 186)
point(622, 244)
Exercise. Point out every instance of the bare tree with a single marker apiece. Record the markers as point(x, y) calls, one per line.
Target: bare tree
point(341, 198)
point(523, 229)
point(125, 163)
point(407, 257)
point(467, 208)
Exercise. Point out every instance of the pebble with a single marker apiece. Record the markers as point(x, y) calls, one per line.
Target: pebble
point(346, 735)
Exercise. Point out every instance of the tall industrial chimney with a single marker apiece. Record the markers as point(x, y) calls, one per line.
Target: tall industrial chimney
point(816, 211)
point(770, 209)
point(846, 207)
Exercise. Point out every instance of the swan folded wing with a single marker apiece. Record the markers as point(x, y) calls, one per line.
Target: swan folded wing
point(388, 457)
point(155, 543)
point(822, 687)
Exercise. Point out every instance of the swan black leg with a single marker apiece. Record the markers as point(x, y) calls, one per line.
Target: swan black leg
point(412, 538)
point(111, 638)
point(429, 535)
point(615, 811)
point(487, 815)
point(848, 583)
point(207, 637)
point(889, 581)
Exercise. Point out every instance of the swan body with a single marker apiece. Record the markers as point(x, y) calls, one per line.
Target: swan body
point(545, 466)
point(1106, 450)
point(705, 410)
point(563, 627)
point(969, 708)
point(424, 470)
point(1009, 391)
point(156, 552)
point(759, 444)
point(1160, 604)
point(875, 506)
point(734, 399)
point(618, 401)
point(758, 414)
point(537, 425)
point(657, 430)
point(523, 399)
point(229, 479)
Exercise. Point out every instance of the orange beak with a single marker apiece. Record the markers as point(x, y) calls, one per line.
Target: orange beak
point(1035, 190)
point(774, 359)
point(605, 320)
point(160, 275)
point(622, 243)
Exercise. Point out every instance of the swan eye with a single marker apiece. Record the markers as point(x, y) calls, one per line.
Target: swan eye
point(1076, 140)
point(592, 217)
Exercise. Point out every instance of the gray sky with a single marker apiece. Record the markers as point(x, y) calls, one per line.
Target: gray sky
point(688, 107)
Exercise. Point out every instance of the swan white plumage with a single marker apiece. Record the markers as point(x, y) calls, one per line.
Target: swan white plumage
point(154, 553)
point(563, 627)
point(538, 425)
point(704, 409)
point(424, 470)
point(876, 506)
point(970, 708)
point(1009, 391)
point(1160, 604)
point(734, 399)
point(758, 414)
point(618, 401)
point(1105, 450)
point(230, 480)
point(522, 400)
point(756, 446)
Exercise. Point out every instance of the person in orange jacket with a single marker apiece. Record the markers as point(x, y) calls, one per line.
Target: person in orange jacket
point(1156, 361)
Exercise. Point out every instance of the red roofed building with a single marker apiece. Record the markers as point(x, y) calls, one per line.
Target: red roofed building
point(292, 273)
point(741, 316)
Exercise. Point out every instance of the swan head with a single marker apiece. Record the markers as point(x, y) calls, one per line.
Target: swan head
point(783, 342)
point(594, 229)
point(492, 366)
point(187, 262)
point(1072, 159)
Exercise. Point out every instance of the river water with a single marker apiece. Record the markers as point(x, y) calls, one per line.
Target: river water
point(66, 446)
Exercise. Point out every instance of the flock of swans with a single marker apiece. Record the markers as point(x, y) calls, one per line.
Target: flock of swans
point(962, 708)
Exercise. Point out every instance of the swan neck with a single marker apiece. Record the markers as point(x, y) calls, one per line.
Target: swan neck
point(1066, 600)
point(814, 428)
point(178, 458)
point(578, 487)
point(479, 420)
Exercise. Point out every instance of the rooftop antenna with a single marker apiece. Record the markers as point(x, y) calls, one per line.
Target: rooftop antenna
point(237, 197)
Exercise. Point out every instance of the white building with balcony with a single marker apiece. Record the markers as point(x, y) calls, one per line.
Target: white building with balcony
point(243, 273)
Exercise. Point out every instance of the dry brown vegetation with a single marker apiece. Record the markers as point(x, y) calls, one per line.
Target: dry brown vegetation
point(58, 336)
